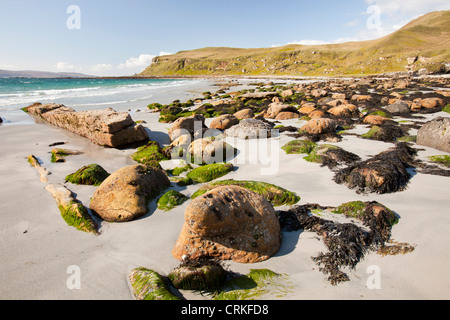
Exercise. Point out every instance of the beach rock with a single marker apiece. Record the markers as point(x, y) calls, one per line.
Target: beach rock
point(244, 114)
point(345, 110)
point(73, 212)
point(198, 275)
point(258, 95)
point(206, 173)
point(286, 115)
point(287, 93)
point(250, 129)
point(224, 122)
point(58, 154)
point(317, 93)
point(43, 173)
point(1, 120)
point(187, 125)
point(92, 175)
point(339, 96)
point(276, 108)
point(207, 151)
point(229, 222)
point(386, 132)
point(435, 134)
point(316, 114)
point(320, 126)
point(150, 285)
point(307, 108)
point(361, 98)
point(399, 107)
point(276, 195)
point(104, 127)
point(430, 103)
point(374, 119)
point(124, 195)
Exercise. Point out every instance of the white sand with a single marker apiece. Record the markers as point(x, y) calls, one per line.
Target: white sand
point(37, 246)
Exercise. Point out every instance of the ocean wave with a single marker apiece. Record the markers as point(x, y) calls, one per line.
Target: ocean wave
point(96, 92)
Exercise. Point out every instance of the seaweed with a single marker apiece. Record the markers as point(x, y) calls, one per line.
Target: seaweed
point(384, 173)
point(347, 243)
point(384, 132)
point(204, 275)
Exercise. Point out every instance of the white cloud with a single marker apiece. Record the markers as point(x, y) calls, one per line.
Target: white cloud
point(144, 60)
point(164, 53)
point(394, 14)
point(64, 66)
point(351, 23)
point(102, 67)
point(308, 42)
point(409, 7)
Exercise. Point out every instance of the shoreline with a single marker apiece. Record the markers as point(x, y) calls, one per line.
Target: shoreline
point(38, 247)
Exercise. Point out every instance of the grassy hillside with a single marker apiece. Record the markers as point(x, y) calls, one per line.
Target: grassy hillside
point(427, 38)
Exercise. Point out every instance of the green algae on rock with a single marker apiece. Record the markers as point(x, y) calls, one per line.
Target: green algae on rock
point(92, 174)
point(73, 212)
point(149, 285)
point(76, 215)
point(299, 146)
point(277, 196)
point(256, 285)
point(443, 160)
point(149, 153)
point(58, 155)
point(203, 275)
point(171, 199)
point(207, 173)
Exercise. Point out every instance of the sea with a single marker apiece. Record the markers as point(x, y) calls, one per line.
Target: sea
point(121, 94)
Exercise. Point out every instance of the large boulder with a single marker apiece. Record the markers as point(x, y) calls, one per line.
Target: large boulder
point(224, 122)
point(244, 114)
point(320, 126)
point(435, 134)
point(124, 195)
point(345, 110)
point(276, 108)
point(399, 107)
point(192, 125)
point(287, 115)
point(210, 151)
point(229, 222)
point(104, 127)
point(250, 129)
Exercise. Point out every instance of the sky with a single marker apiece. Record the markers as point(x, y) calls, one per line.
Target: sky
point(117, 37)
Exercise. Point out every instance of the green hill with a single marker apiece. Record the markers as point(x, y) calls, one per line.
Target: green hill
point(423, 43)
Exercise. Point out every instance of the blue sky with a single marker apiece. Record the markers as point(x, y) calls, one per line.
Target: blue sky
point(121, 37)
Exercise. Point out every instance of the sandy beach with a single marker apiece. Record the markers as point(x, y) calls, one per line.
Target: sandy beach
point(38, 247)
